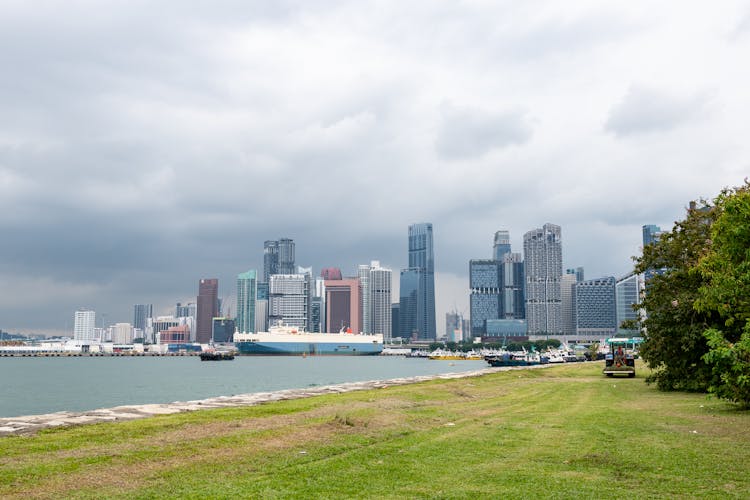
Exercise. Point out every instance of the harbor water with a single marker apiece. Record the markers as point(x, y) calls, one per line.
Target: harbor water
point(37, 385)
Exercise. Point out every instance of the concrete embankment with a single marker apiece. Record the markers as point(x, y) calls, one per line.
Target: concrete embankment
point(33, 423)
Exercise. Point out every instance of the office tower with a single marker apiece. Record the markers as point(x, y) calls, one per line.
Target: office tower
point(317, 314)
point(246, 292)
point(343, 306)
point(278, 257)
point(395, 333)
point(140, 313)
point(289, 300)
point(223, 330)
point(331, 273)
point(542, 250)
point(651, 234)
point(363, 275)
point(485, 299)
point(568, 302)
point(513, 302)
point(83, 326)
point(577, 272)
point(185, 310)
point(261, 307)
point(628, 292)
point(176, 334)
point(207, 310)
point(501, 245)
point(596, 311)
point(454, 327)
point(417, 315)
point(379, 300)
point(122, 333)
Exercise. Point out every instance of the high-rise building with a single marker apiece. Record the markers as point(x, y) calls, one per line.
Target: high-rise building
point(542, 250)
point(501, 245)
point(207, 310)
point(380, 299)
point(577, 272)
point(261, 307)
point(246, 293)
point(343, 305)
point(417, 320)
point(628, 291)
point(185, 310)
point(122, 333)
point(395, 333)
point(596, 309)
point(568, 302)
point(496, 286)
point(289, 299)
point(485, 300)
point(651, 234)
point(278, 258)
point(454, 327)
point(363, 274)
point(223, 330)
point(83, 326)
point(140, 313)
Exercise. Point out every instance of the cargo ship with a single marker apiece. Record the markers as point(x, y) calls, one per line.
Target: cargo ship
point(286, 340)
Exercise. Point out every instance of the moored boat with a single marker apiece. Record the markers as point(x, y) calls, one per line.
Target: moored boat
point(216, 356)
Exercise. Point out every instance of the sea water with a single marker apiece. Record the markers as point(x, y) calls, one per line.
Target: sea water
point(31, 386)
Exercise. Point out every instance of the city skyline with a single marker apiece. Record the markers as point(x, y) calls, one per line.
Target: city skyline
point(133, 166)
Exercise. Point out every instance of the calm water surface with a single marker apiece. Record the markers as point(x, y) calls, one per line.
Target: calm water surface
point(30, 386)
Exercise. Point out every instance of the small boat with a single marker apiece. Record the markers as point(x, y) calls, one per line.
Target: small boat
point(513, 359)
point(216, 356)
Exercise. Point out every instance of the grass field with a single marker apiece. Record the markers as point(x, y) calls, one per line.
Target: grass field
point(562, 432)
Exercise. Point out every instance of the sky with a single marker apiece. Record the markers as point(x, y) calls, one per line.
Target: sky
point(146, 145)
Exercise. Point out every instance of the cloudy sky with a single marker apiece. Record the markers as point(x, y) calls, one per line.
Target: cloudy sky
point(144, 145)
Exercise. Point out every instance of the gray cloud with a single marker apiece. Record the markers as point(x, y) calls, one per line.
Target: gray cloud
point(467, 133)
point(644, 110)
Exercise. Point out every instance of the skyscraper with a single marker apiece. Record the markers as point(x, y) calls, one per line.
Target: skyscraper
point(380, 299)
point(331, 273)
point(363, 274)
point(261, 307)
point(501, 245)
point(651, 234)
point(628, 293)
point(542, 250)
point(596, 310)
point(417, 313)
point(514, 305)
point(343, 305)
point(83, 326)
point(207, 309)
point(485, 300)
point(568, 301)
point(289, 299)
point(140, 313)
point(278, 257)
point(246, 293)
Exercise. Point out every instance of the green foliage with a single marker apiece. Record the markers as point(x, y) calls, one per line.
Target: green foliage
point(674, 344)
point(725, 293)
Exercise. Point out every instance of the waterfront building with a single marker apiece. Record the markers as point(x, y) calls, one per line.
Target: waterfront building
point(503, 331)
point(628, 291)
point(83, 325)
point(568, 302)
point(223, 330)
point(417, 315)
point(122, 333)
point(363, 274)
point(542, 248)
point(207, 310)
point(513, 301)
point(246, 293)
point(343, 306)
point(289, 299)
point(485, 299)
point(140, 313)
point(380, 279)
point(176, 334)
point(596, 311)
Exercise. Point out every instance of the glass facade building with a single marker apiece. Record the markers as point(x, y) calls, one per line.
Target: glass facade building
point(417, 320)
point(542, 250)
point(246, 301)
point(485, 301)
point(207, 309)
point(289, 299)
point(628, 292)
point(596, 311)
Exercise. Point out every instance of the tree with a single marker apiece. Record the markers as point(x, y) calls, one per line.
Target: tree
point(725, 293)
point(674, 343)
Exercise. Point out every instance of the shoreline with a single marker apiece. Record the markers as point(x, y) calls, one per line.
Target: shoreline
point(30, 424)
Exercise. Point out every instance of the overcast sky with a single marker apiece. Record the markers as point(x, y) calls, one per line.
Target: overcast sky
point(145, 145)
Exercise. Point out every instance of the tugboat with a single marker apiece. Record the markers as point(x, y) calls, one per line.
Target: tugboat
point(216, 356)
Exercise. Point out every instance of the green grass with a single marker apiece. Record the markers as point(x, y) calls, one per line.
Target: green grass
point(561, 432)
